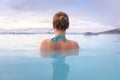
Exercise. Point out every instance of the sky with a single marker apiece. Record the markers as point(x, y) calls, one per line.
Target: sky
point(85, 15)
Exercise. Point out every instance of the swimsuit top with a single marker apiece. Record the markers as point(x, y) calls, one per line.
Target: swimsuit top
point(56, 38)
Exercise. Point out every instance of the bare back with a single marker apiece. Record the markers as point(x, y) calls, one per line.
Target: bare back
point(59, 45)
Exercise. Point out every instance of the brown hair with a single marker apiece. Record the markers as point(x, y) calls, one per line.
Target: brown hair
point(61, 21)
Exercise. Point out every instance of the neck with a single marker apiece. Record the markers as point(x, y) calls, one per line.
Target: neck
point(59, 32)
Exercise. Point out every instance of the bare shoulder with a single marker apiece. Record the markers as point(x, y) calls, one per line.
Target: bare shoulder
point(44, 41)
point(75, 44)
point(43, 44)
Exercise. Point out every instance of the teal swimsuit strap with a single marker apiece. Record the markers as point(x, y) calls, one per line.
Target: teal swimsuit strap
point(55, 39)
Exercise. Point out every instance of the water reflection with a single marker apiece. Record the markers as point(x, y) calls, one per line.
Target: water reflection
point(58, 54)
point(60, 68)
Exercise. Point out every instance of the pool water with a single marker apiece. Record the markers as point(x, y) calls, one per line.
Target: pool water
point(97, 59)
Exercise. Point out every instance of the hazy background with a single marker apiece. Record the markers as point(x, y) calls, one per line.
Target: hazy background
point(85, 15)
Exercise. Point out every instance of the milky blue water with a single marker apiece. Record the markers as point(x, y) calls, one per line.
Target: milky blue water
point(97, 59)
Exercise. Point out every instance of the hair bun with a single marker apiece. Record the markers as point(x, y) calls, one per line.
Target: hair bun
point(61, 21)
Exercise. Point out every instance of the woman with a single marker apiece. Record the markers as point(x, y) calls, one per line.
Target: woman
point(59, 42)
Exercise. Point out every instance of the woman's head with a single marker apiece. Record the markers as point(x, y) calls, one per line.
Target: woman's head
point(61, 21)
